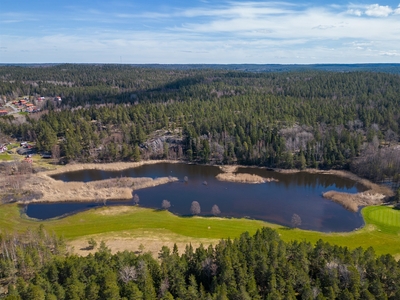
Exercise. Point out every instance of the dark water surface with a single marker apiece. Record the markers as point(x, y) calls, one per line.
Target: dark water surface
point(276, 202)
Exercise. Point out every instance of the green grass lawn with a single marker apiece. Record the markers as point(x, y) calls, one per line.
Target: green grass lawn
point(382, 230)
point(5, 156)
point(12, 146)
point(386, 219)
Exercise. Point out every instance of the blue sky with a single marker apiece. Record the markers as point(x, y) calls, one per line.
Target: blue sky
point(199, 31)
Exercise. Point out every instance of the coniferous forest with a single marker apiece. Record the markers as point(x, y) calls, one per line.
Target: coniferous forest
point(109, 113)
point(214, 115)
point(250, 267)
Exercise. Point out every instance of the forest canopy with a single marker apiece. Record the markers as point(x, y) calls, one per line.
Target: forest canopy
point(249, 267)
point(286, 119)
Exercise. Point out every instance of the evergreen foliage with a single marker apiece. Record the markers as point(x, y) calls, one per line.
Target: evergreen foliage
point(286, 120)
point(250, 267)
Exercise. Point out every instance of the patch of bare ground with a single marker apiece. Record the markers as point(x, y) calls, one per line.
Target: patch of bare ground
point(353, 201)
point(151, 242)
point(243, 178)
point(109, 189)
point(114, 210)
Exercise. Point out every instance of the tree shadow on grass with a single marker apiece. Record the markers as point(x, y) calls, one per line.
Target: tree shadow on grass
point(87, 248)
point(286, 228)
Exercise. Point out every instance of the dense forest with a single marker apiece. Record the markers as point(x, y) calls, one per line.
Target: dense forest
point(296, 119)
point(281, 120)
point(33, 266)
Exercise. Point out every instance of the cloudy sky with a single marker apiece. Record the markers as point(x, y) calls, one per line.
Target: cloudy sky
point(199, 31)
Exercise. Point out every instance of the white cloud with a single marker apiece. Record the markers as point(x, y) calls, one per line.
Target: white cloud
point(355, 12)
point(324, 27)
point(376, 10)
point(390, 53)
point(247, 32)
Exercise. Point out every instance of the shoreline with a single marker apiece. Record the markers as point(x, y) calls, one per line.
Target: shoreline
point(121, 188)
point(115, 166)
point(374, 194)
point(56, 191)
point(352, 202)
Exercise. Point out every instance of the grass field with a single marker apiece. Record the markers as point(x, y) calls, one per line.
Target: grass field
point(385, 218)
point(5, 157)
point(382, 230)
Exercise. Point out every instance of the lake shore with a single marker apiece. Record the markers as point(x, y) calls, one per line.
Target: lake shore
point(122, 188)
point(116, 166)
point(374, 195)
point(109, 189)
point(353, 201)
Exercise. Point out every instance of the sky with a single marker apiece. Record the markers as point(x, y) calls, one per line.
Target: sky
point(199, 32)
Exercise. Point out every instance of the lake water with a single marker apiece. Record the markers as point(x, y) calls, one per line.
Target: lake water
point(276, 202)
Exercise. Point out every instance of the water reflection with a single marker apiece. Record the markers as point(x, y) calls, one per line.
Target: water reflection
point(276, 202)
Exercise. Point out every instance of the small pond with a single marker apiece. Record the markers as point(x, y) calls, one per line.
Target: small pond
point(276, 202)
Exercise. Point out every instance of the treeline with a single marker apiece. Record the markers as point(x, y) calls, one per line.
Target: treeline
point(250, 267)
point(286, 120)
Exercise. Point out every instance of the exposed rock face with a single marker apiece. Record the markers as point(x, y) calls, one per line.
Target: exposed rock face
point(155, 145)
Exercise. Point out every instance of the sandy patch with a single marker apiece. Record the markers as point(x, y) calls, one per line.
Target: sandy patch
point(114, 210)
point(243, 178)
point(131, 241)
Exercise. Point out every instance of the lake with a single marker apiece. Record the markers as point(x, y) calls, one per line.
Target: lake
point(298, 193)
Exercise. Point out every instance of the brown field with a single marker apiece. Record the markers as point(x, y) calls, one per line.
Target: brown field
point(151, 242)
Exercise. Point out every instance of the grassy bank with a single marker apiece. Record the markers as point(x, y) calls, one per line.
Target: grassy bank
point(382, 230)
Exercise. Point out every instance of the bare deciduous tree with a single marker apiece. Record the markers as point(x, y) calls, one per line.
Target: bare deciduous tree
point(136, 199)
point(296, 220)
point(165, 204)
point(209, 267)
point(215, 210)
point(195, 208)
point(164, 286)
point(55, 152)
point(127, 273)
